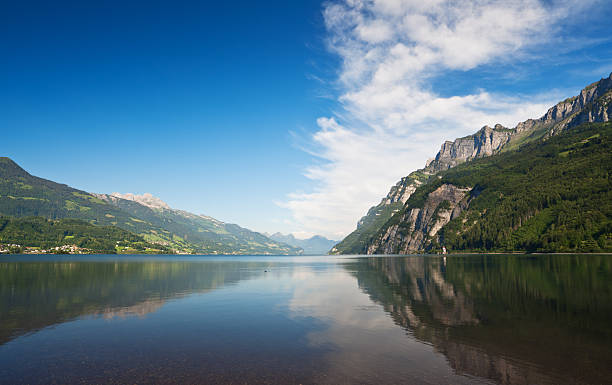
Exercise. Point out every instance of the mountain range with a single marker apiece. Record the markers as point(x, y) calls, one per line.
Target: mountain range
point(25, 195)
point(543, 185)
point(315, 245)
point(561, 161)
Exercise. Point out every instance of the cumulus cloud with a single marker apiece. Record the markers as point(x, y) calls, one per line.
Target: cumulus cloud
point(393, 119)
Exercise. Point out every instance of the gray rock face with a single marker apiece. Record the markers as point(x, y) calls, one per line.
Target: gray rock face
point(485, 142)
point(145, 199)
point(591, 105)
point(417, 227)
point(402, 190)
point(594, 104)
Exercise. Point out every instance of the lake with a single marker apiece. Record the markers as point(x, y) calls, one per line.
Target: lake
point(327, 320)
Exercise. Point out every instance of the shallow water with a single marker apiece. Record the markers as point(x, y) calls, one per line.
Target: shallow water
point(423, 319)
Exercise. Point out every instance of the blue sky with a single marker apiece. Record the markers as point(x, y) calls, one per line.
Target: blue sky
point(278, 116)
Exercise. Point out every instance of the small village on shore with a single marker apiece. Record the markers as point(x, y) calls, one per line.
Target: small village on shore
point(12, 248)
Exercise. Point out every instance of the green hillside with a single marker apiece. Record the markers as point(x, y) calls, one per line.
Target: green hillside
point(23, 195)
point(203, 234)
point(44, 234)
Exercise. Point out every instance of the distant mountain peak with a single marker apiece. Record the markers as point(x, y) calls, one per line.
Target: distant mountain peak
point(145, 199)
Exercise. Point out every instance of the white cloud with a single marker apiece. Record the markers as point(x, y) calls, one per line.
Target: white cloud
point(393, 120)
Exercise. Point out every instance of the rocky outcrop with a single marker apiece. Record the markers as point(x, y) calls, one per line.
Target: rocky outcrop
point(402, 190)
point(485, 142)
point(417, 227)
point(596, 103)
point(591, 105)
point(145, 199)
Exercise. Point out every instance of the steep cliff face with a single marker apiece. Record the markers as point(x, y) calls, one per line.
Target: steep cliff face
point(358, 241)
point(485, 142)
point(416, 228)
point(593, 104)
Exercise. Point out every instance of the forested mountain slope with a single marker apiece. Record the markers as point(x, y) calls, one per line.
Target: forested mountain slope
point(204, 234)
point(549, 196)
point(593, 104)
point(23, 195)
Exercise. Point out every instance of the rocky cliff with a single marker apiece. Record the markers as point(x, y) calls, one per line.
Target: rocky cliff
point(593, 104)
point(417, 227)
point(485, 142)
point(552, 195)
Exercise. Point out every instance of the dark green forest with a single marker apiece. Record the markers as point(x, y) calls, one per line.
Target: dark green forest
point(44, 233)
point(551, 196)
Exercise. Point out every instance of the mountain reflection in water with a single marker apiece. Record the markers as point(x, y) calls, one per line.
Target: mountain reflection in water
point(513, 319)
point(422, 319)
point(38, 293)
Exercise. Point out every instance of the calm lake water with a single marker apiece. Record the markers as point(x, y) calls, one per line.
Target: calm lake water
point(329, 320)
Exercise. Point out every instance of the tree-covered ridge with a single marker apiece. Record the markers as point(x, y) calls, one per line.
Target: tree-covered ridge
point(555, 196)
point(548, 196)
point(45, 234)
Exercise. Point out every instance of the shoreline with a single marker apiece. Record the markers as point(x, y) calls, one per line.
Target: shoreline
point(302, 255)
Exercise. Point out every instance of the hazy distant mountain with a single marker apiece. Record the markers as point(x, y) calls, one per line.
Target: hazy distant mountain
point(316, 245)
point(22, 194)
